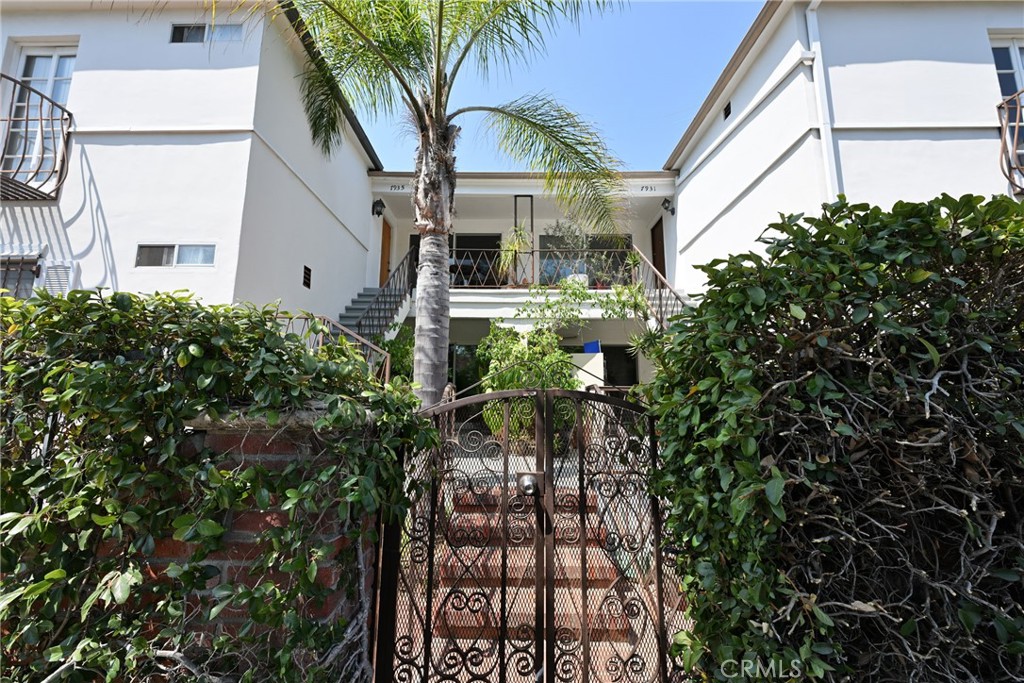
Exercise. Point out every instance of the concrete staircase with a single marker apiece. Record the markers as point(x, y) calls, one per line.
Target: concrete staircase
point(374, 311)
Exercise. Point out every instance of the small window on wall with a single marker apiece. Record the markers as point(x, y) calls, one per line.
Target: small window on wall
point(167, 255)
point(18, 276)
point(201, 33)
point(188, 33)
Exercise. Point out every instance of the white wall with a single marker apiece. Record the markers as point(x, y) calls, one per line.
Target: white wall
point(914, 96)
point(301, 207)
point(741, 171)
point(911, 93)
point(159, 149)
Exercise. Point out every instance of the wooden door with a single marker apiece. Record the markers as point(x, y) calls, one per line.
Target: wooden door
point(385, 252)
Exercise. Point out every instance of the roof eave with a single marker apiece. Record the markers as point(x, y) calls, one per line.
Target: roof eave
point(313, 51)
point(746, 47)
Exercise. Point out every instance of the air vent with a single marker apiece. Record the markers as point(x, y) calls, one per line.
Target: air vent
point(727, 110)
point(307, 276)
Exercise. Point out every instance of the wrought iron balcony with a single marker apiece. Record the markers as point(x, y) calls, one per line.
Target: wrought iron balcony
point(36, 133)
point(485, 268)
point(1011, 121)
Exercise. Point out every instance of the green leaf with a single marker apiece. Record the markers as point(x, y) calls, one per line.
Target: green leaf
point(103, 520)
point(774, 489)
point(311, 571)
point(56, 574)
point(970, 617)
point(919, 275)
point(1006, 574)
point(909, 627)
point(822, 617)
point(183, 358)
point(183, 521)
point(756, 295)
point(196, 350)
point(932, 352)
point(797, 312)
point(208, 527)
point(219, 607)
point(121, 588)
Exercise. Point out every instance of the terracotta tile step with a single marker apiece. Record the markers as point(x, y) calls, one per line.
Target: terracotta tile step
point(485, 571)
point(483, 530)
point(490, 501)
point(466, 625)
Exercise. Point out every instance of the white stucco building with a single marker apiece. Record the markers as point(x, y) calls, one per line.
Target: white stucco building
point(189, 163)
point(174, 154)
point(880, 101)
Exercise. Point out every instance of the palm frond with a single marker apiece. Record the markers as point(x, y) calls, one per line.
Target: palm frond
point(499, 33)
point(377, 50)
point(324, 110)
point(577, 166)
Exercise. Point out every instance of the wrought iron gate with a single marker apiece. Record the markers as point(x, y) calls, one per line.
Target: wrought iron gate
point(532, 554)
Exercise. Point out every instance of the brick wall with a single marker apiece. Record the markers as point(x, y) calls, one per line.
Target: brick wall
point(248, 444)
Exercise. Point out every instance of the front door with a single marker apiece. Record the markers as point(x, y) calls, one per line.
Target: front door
point(532, 553)
point(658, 247)
point(385, 252)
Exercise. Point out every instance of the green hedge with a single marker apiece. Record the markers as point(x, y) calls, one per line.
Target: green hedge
point(842, 428)
point(94, 397)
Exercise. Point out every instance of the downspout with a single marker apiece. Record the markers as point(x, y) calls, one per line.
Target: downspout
point(823, 104)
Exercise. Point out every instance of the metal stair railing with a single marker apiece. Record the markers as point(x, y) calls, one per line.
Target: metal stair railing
point(380, 314)
point(663, 301)
point(330, 331)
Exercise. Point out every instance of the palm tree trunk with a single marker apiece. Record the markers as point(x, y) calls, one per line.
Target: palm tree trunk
point(433, 196)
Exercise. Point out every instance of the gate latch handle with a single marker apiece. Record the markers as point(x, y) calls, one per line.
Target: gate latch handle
point(532, 484)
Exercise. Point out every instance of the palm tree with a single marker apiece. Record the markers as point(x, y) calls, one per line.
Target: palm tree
point(390, 55)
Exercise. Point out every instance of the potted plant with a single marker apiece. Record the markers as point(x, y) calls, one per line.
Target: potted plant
point(517, 241)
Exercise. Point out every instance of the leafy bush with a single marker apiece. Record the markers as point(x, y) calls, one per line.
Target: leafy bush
point(842, 430)
point(400, 348)
point(94, 399)
point(516, 360)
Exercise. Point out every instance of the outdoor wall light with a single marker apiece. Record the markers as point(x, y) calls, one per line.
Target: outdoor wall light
point(667, 205)
point(378, 207)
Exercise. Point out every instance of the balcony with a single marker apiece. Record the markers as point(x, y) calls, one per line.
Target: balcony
point(596, 268)
point(1011, 138)
point(36, 135)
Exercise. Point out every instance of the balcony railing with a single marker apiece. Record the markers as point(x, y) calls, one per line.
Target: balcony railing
point(597, 268)
point(1011, 119)
point(485, 269)
point(36, 132)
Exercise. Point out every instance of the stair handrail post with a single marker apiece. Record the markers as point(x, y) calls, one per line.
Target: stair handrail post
point(667, 296)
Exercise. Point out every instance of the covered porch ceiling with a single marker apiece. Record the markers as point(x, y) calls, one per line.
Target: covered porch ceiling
point(486, 196)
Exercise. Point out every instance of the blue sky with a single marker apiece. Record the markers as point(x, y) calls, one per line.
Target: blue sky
point(639, 73)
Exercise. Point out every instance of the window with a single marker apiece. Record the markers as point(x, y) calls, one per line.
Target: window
point(188, 33)
point(166, 255)
point(33, 138)
point(226, 33)
point(200, 33)
point(307, 277)
point(18, 275)
point(1009, 58)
